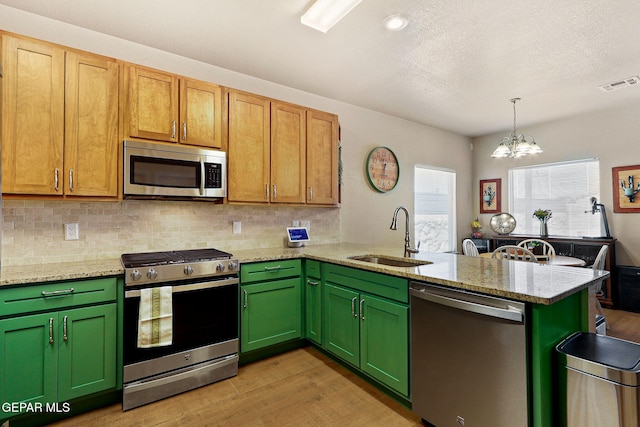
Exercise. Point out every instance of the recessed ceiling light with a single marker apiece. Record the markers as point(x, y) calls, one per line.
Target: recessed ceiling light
point(395, 22)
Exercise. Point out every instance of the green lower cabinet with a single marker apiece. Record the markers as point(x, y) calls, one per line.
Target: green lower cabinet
point(271, 313)
point(58, 356)
point(29, 369)
point(370, 333)
point(87, 357)
point(313, 310)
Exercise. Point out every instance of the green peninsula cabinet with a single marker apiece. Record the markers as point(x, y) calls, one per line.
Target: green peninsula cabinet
point(58, 341)
point(270, 303)
point(313, 302)
point(366, 323)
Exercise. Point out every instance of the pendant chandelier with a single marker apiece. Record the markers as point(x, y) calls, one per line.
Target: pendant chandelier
point(514, 145)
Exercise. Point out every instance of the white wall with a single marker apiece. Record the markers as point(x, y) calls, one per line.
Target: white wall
point(611, 136)
point(365, 215)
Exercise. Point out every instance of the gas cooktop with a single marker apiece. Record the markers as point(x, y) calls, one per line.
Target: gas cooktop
point(145, 259)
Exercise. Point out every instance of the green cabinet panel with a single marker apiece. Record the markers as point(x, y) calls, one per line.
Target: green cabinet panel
point(391, 287)
point(28, 360)
point(271, 313)
point(384, 337)
point(263, 271)
point(341, 323)
point(55, 296)
point(87, 356)
point(313, 309)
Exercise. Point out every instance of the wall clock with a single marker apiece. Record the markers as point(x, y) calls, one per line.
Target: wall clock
point(383, 170)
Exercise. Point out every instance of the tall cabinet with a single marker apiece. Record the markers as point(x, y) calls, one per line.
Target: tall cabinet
point(59, 120)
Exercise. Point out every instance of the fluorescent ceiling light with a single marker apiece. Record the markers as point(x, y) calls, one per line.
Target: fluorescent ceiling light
point(324, 14)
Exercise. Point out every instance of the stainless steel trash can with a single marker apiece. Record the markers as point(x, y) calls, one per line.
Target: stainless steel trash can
point(599, 378)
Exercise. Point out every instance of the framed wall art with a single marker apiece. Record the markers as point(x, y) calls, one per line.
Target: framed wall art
point(626, 186)
point(490, 195)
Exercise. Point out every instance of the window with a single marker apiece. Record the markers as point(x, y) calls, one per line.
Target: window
point(564, 188)
point(435, 209)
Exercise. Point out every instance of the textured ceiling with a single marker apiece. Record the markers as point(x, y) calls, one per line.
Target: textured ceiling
point(455, 66)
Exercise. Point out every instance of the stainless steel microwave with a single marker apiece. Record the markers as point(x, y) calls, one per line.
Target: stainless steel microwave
point(173, 171)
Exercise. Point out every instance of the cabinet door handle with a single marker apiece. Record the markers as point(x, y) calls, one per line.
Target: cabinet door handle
point(56, 179)
point(65, 337)
point(173, 128)
point(266, 191)
point(246, 299)
point(310, 193)
point(362, 309)
point(275, 192)
point(184, 131)
point(51, 330)
point(274, 268)
point(312, 282)
point(353, 307)
point(56, 293)
point(70, 179)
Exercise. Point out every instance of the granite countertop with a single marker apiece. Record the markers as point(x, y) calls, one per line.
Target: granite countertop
point(522, 281)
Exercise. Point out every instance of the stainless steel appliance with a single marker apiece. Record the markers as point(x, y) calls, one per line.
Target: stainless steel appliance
point(469, 361)
point(153, 170)
point(204, 302)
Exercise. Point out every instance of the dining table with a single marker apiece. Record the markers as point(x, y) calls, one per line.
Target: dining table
point(552, 260)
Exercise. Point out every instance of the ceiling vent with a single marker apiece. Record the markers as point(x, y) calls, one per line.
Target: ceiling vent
point(631, 81)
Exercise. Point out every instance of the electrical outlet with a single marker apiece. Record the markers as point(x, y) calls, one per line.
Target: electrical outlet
point(306, 224)
point(237, 227)
point(71, 231)
point(295, 223)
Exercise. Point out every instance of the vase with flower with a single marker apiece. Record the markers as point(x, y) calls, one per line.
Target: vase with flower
point(543, 215)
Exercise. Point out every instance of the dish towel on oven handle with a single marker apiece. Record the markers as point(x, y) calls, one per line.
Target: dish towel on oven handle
point(155, 322)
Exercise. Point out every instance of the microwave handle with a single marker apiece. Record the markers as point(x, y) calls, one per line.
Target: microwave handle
point(202, 177)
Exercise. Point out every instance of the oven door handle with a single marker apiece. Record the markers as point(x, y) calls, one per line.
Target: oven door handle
point(191, 287)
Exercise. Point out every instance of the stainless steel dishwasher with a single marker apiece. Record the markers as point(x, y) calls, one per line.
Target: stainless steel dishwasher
point(469, 361)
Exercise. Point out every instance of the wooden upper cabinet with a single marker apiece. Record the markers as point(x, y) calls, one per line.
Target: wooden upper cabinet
point(91, 126)
point(322, 158)
point(200, 113)
point(152, 104)
point(249, 148)
point(288, 153)
point(32, 117)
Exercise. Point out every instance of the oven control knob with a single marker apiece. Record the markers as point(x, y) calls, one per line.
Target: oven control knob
point(152, 274)
point(220, 268)
point(188, 270)
point(232, 265)
point(135, 275)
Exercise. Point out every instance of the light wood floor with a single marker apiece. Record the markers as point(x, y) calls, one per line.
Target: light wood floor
point(298, 388)
point(623, 324)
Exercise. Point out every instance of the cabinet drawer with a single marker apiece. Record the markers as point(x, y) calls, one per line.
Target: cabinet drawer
point(262, 271)
point(313, 268)
point(366, 281)
point(52, 296)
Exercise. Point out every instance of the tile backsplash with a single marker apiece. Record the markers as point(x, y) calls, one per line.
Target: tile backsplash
point(33, 231)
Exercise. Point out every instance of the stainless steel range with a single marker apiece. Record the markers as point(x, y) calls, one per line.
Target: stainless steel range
point(180, 322)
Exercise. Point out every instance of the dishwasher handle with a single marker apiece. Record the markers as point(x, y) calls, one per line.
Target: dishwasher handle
point(455, 299)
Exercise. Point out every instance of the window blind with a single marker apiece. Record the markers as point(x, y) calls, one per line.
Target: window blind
point(564, 188)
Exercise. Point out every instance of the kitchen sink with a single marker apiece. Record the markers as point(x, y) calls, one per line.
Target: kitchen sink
point(390, 261)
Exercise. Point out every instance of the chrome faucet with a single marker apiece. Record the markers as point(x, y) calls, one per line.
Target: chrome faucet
point(408, 250)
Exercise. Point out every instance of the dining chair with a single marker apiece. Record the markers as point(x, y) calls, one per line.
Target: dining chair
point(547, 249)
point(598, 264)
point(469, 248)
point(515, 253)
